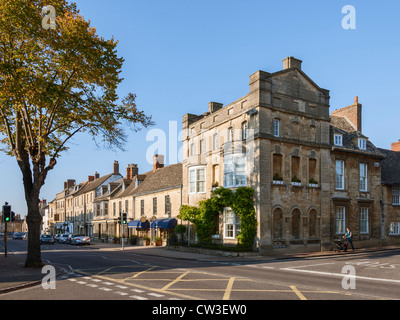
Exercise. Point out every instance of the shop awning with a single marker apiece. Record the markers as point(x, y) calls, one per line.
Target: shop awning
point(169, 223)
point(139, 224)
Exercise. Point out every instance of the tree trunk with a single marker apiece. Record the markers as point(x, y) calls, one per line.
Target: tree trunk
point(32, 186)
point(33, 258)
point(34, 221)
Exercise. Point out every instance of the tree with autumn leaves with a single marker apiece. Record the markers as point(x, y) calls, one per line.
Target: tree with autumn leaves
point(56, 83)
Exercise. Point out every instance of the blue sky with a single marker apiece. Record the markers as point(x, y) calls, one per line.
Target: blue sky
point(181, 54)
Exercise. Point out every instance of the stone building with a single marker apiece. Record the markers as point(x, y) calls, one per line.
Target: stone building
point(390, 203)
point(157, 201)
point(356, 188)
point(314, 174)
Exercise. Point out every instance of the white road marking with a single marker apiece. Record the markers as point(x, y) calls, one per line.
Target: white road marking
point(138, 297)
point(341, 275)
point(105, 289)
point(155, 295)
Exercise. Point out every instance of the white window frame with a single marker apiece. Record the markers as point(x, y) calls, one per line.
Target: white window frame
point(232, 226)
point(362, 144)
point(338, 139)
point(339, 175)
point(276, 128)
point(363, 177)
point(245, 128)
point(231, 167)
point(194, 180)
point(364, 220)
point(340, 220)
point(394, 228)
point(395, 195)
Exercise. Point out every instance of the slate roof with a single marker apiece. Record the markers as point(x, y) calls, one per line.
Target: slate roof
point(342, 124)
point(165, 178)
point(390, 167)
point(350, 139)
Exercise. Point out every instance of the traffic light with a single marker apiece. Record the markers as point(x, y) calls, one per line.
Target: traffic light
point(7, 215)
point(124, 218)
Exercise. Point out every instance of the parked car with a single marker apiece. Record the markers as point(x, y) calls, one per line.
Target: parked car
point(57, 237)
point(64, 238)
point(80, 239)
point(17, 236)
point(46, 238)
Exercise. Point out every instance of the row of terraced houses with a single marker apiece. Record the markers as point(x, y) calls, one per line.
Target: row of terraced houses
point(313, 172)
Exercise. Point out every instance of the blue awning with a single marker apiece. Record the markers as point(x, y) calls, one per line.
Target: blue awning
point(139, 224)
point(169, 223)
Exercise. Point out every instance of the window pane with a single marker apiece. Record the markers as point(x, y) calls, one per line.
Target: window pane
point(340, 220)
point(396, 195)
point(339, 174)
point(364, 220)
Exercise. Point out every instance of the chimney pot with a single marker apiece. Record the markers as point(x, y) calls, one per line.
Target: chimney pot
point(396, 146)
point(158, 161)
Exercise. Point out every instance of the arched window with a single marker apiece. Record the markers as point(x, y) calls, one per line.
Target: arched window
point(313, 224)
point(296, 224)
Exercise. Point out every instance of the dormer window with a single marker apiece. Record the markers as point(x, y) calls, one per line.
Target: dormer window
point(338, 140)
point(362, 144)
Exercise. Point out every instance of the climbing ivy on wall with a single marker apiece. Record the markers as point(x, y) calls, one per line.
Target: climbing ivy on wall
point(205, 215)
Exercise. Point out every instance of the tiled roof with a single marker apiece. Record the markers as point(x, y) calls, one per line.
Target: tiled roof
point(342, 124)
point(95, 183)
point(350, 140)
point(390, 167)
point(162, 179)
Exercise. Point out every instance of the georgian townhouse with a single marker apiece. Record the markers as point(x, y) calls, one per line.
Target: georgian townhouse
point(157, 200)
point(356, 178)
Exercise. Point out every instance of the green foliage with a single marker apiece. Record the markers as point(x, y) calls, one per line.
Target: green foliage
point(205, 216)
point(180, 228)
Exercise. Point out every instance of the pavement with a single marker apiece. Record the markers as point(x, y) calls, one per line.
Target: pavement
point(14, 275)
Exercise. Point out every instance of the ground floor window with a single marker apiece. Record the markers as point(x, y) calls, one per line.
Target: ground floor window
point(364, 225)
point(231, 224)
point(340, 220)
point(394, 228)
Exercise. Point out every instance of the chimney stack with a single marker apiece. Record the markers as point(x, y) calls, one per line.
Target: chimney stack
point(396, 146)
point(214, 106)
point(158, 161)
point(352, 113)
point(132, 170)
point(115, 167)
point(96, 175)
point(90, 178)
point(291, 62)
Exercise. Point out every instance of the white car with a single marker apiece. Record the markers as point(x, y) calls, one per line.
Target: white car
point(80, 239)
